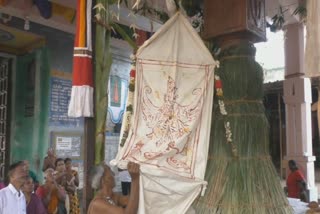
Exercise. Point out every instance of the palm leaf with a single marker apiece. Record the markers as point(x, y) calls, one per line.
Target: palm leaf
point(124, 35)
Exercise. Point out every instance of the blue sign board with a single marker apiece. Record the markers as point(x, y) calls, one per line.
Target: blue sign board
point(60, 92)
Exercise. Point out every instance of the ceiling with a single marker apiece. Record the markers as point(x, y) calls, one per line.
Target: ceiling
point(65, 22)
point(273, 6)
point(17, 42)
point(20, 9)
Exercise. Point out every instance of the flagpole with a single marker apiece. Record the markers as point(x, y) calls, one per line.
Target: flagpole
point(89, 139)
point(88, 161)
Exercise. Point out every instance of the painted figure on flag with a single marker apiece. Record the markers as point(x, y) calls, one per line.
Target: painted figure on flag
point(169, 124)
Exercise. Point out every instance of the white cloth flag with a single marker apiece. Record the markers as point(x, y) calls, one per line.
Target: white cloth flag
point(170, 128)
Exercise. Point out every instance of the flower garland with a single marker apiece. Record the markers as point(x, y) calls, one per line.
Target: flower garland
point(219, 93)
point(129, 109)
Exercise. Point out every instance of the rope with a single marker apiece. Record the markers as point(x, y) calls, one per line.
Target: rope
point(253, 205)
point(241, 114)
point(241, 101)
point(236, 57)
point(263, 157)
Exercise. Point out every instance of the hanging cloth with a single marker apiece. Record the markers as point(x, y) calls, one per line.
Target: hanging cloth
point(171, 120)
point(312, 53)
point(81, 102)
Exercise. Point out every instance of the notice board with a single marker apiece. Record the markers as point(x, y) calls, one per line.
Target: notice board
point(60, 92)
point(68, 145)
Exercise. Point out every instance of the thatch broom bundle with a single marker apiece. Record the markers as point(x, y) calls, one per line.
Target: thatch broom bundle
point(240, 174)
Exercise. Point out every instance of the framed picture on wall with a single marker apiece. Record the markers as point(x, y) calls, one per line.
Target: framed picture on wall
point(115, 91)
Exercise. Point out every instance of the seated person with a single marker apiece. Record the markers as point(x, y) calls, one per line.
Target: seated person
point(296, 185)
point(108, 202)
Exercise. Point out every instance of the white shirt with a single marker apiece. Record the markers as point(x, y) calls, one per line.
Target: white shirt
point(124, 176)
point(12, 201)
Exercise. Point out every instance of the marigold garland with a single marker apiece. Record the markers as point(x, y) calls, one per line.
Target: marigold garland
point(129, 108)
point(219, 93)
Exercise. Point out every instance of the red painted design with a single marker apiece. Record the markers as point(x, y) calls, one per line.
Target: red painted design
point(152, 155)
point(178, 163)
point(136, 151)
point(170, 121)
point(171, 138)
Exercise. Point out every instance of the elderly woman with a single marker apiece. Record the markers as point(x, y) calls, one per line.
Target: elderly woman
point(106, 201)
point(51, 193)
point(34, 204)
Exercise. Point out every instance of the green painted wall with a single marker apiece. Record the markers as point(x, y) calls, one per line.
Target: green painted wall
point(29, 129)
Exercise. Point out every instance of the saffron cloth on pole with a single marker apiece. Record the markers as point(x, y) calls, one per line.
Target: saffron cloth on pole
point(81, 101)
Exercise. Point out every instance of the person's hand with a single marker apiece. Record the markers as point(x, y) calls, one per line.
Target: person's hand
point(52, 186)
point(134, 170)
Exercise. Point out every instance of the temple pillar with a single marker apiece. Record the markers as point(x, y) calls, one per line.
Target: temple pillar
point(297, 99)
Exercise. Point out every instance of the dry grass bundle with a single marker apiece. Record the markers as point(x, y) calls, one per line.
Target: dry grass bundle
point(246, 183)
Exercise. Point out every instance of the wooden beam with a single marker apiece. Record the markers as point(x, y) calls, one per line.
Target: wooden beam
point(54, 22)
